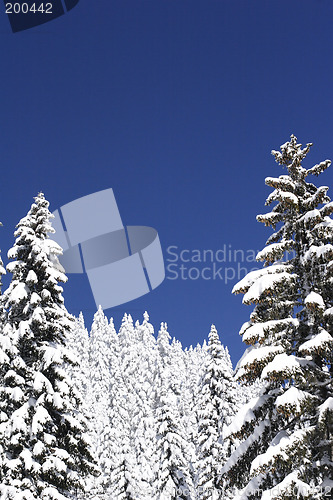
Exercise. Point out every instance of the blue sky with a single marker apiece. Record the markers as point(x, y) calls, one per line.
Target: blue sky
point(175, 104)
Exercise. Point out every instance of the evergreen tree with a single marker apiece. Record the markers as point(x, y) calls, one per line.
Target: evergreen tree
point(195, 362)
point(44, 453)
point(212, 411)
point(100, 381)
point(180, 385)
point(144, 421)
point(173, 481)
point(287, 430)
point(78, 343)
point(124, 471)
point(164, 346)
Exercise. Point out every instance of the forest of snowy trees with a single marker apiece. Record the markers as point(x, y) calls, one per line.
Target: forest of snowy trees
point(132, 415)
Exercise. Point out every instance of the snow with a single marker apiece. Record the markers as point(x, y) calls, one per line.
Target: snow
point(35, 299)
point(266, 284)
point(289, 483)
point(52, 354)
point(62, 386)
point(14, 463)
point(41, 382)
point(38, 315)
point(310, 216)
point(57, 400)
point(3, 357)
point(257, 355)
point(313, 200)
point(319, 167)
point(5, 340)
point(289, 198)
point(270, 218)
point(240, 361)
point(314, 299)
point(327, 406)
point(294, 397)
point(61, 453)
point(49, 439)
point(279, 448)
point(18, 417)
point(11, 374)
point(244, 284)
point(285, 197)
point(31, 277)
point(329, 312)
point(45, 294)
point(245, 327)
point(23, 328)
point(258, 331)
point(15, 394)
point(322, 252)
point(281, 181)
point(39, 419)
point(51, 493)
point(19, 292)
point(243, 447)
point(282, 364)
point(275, 250)
point(244, 415)
point(49, 246)
point(27, 458)
point(121, 379)
point(38, 448)
point(322, 340)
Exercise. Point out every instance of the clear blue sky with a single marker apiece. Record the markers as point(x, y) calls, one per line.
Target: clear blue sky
point(175, 104)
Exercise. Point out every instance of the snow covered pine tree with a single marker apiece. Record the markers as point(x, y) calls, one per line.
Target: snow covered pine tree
point(44, 454)
point(211, 413)
point(286, 451)
point(174, 481)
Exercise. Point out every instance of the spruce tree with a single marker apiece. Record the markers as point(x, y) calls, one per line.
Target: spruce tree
point(173, 480)
point(78, 343)
point(124, 471)
point(195, 362)
point(143, 421)
point(44, 453)
point(286, 431)
point(212, 410)
point(99, 382)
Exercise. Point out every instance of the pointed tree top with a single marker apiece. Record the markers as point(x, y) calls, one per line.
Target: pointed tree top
point(163, 333)
point(81, 319)
point(213, 335)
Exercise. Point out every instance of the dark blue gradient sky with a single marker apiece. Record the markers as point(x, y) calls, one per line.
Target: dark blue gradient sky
point(175, 104)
